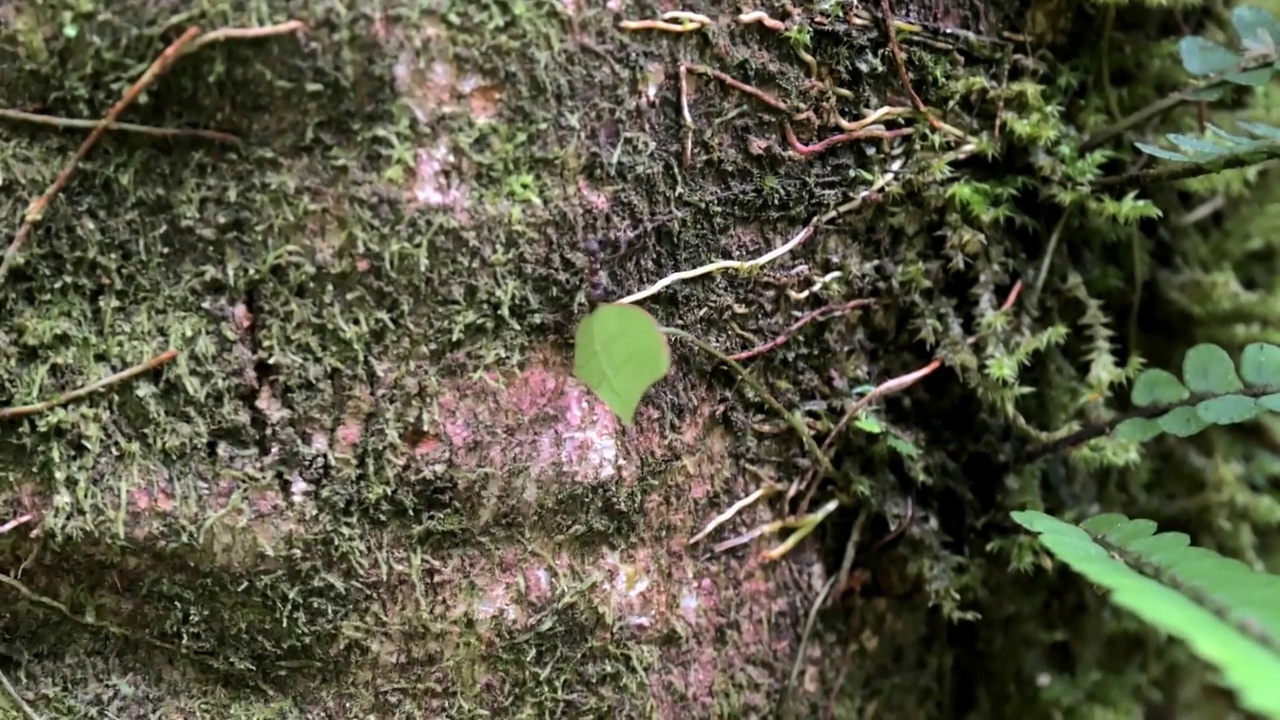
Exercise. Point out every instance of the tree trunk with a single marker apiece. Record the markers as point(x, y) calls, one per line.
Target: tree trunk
point(369, 486)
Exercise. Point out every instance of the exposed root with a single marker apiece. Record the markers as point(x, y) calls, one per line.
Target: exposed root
point(751, 90)
point(685, 116)
point(676, 21)
point(36, 210)
point(762, 17)
point(733, 510)
point(821, 283)
point(12, 692)
point(888, 387)
point(16, 522)
point(868, 195)
point(190, 41)
point(829, 311)
point(872, 118)
point(871, 132)
point(901, 64)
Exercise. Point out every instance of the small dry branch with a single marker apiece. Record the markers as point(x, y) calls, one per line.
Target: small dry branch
point(63, 399)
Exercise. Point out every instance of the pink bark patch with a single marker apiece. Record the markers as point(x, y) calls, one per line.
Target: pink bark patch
point(541, 423)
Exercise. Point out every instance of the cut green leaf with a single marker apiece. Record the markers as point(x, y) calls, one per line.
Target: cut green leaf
point(619, 353)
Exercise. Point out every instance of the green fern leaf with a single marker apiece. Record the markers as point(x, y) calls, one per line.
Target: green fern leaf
point(1225, 611)
point(1202, 56)
point(1260, 365)
point(1211, 392)
point(1158, 387)
point(1208, 369)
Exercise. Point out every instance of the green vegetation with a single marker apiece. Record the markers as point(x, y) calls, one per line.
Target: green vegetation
point(367, 486)
point(1223, 608)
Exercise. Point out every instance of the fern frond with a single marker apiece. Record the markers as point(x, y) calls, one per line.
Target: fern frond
point(1228, 613)
point(1252, 64)
point(1211, 392)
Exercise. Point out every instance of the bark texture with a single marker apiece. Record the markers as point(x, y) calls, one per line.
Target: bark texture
point(370, 487)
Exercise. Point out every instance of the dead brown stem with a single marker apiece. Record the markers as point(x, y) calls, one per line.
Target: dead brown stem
point(829, 311)
point(63, 399)
point(161, 132)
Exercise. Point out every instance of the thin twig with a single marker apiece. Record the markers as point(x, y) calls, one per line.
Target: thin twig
point(75, 124)
point(36, 210)
point(829, 311)
point(1184, 171)
point(793, 419)
point(63, 399)
point(17, 699)
point(250, 33)
point(751, 90)
point(20, 520)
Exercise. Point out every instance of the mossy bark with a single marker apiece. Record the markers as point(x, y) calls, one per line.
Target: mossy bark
point(369, 486)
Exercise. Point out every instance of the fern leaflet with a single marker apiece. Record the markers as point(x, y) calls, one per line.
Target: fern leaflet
point(1228, 613)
